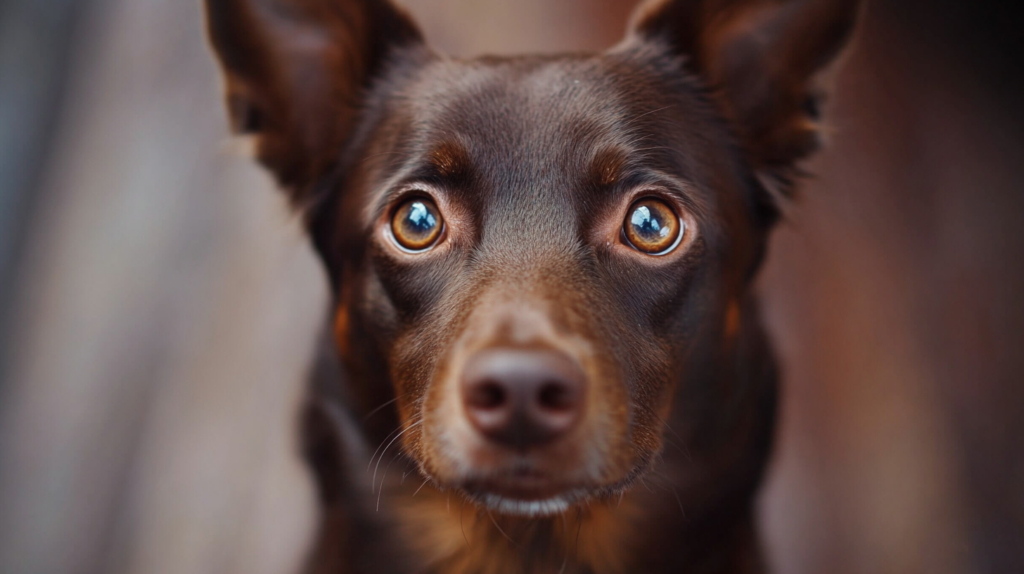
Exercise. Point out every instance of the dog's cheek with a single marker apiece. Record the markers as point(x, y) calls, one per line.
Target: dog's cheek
point(412, 363)
point(418, 363)
point(643, 340)
point(620, 430)
point(366, 327)
point(670, 354)
point(651, 393)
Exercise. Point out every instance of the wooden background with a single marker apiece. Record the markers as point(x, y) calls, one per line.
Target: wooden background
point(158, 301)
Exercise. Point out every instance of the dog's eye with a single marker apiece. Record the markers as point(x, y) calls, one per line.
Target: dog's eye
point(417, 224)
point(652, 227)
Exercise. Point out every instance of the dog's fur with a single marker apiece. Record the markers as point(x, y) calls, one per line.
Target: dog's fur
point(533, 161)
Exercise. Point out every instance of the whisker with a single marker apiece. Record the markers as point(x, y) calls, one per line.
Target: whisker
point(384, 477)
point(644, 482)
point(407, 472)
point(381, 457)
point(495, 523)
point(374, 455)
point(681, 446)
point(381, 407)
point(425, 481)
point(668, 486)
point(679, 501)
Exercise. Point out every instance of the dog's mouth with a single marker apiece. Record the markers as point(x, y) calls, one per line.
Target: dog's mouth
point(524, 492)
point(531, 483)
point(530, 492)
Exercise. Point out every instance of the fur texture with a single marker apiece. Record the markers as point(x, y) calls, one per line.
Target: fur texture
point(534, 163)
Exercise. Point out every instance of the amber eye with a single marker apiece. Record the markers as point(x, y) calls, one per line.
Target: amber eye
point(652, 227)
point(417, 224)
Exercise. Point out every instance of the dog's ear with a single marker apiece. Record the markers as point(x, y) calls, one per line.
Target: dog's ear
point(296, 71)
point(767, 62)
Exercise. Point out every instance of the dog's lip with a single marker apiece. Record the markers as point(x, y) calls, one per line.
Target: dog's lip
point(529, 508)
point(527, 491)
point(530, 495)
point(520, 485)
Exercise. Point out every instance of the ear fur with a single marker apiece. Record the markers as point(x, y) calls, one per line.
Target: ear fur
point(767, 63)
point(296, 72)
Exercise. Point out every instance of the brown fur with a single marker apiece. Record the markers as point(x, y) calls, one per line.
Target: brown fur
point(707, 105)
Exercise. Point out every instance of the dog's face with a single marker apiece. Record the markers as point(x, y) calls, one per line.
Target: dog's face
point(532, 256)
point(534, 247)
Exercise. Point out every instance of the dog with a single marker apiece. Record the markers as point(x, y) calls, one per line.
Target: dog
point(544, 352)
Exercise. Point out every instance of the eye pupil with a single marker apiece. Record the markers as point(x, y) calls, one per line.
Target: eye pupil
point(652, 226)
point(416, 224)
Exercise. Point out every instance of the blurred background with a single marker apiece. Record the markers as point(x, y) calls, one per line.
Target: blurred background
point(158, 302)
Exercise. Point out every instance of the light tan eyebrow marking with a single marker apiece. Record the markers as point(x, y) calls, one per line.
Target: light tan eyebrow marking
point(607, 166)
point(450, 159)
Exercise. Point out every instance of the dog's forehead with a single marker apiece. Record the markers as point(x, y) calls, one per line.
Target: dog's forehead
point(552, 123)
point(532, 131)
point(526, 108)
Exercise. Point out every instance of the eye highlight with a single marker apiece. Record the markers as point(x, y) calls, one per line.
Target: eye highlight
point(651, 226)
point(417, 224)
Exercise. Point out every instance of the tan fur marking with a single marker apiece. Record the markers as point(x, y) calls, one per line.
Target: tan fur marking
point(732, 320)
point(607, 166)
point(450, 159)
point(341, 320)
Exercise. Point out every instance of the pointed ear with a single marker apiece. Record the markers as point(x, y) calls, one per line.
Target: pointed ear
point(296, 71)
point(766, 61)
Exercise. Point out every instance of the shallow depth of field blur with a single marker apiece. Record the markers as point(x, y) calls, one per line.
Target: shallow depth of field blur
point(158, 301)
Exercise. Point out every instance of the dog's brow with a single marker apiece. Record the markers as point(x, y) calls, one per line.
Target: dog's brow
point(607, 166)
point(444, 164)
point(450, 159)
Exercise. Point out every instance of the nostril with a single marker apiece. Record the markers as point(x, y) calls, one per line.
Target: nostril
point(487, 395)
point(555, 396)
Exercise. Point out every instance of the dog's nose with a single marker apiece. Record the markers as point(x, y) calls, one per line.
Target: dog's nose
point(522, 397)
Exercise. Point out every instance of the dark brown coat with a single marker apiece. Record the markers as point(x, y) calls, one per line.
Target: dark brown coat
point(705, 105)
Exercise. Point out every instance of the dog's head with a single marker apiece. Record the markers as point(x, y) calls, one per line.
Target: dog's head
point(535, 256)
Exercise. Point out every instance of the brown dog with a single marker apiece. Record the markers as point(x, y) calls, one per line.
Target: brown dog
point(541, 270)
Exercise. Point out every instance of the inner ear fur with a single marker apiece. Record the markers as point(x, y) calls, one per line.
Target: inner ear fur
point(767, 63)
point(296, 72)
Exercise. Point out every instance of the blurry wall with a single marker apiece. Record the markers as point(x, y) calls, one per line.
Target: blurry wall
point(159, 301)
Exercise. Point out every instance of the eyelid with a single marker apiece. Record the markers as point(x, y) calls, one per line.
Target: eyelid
point(673, 192)
point(393, 193)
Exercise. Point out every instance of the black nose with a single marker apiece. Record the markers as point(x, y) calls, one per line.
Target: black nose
point(522, 397)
